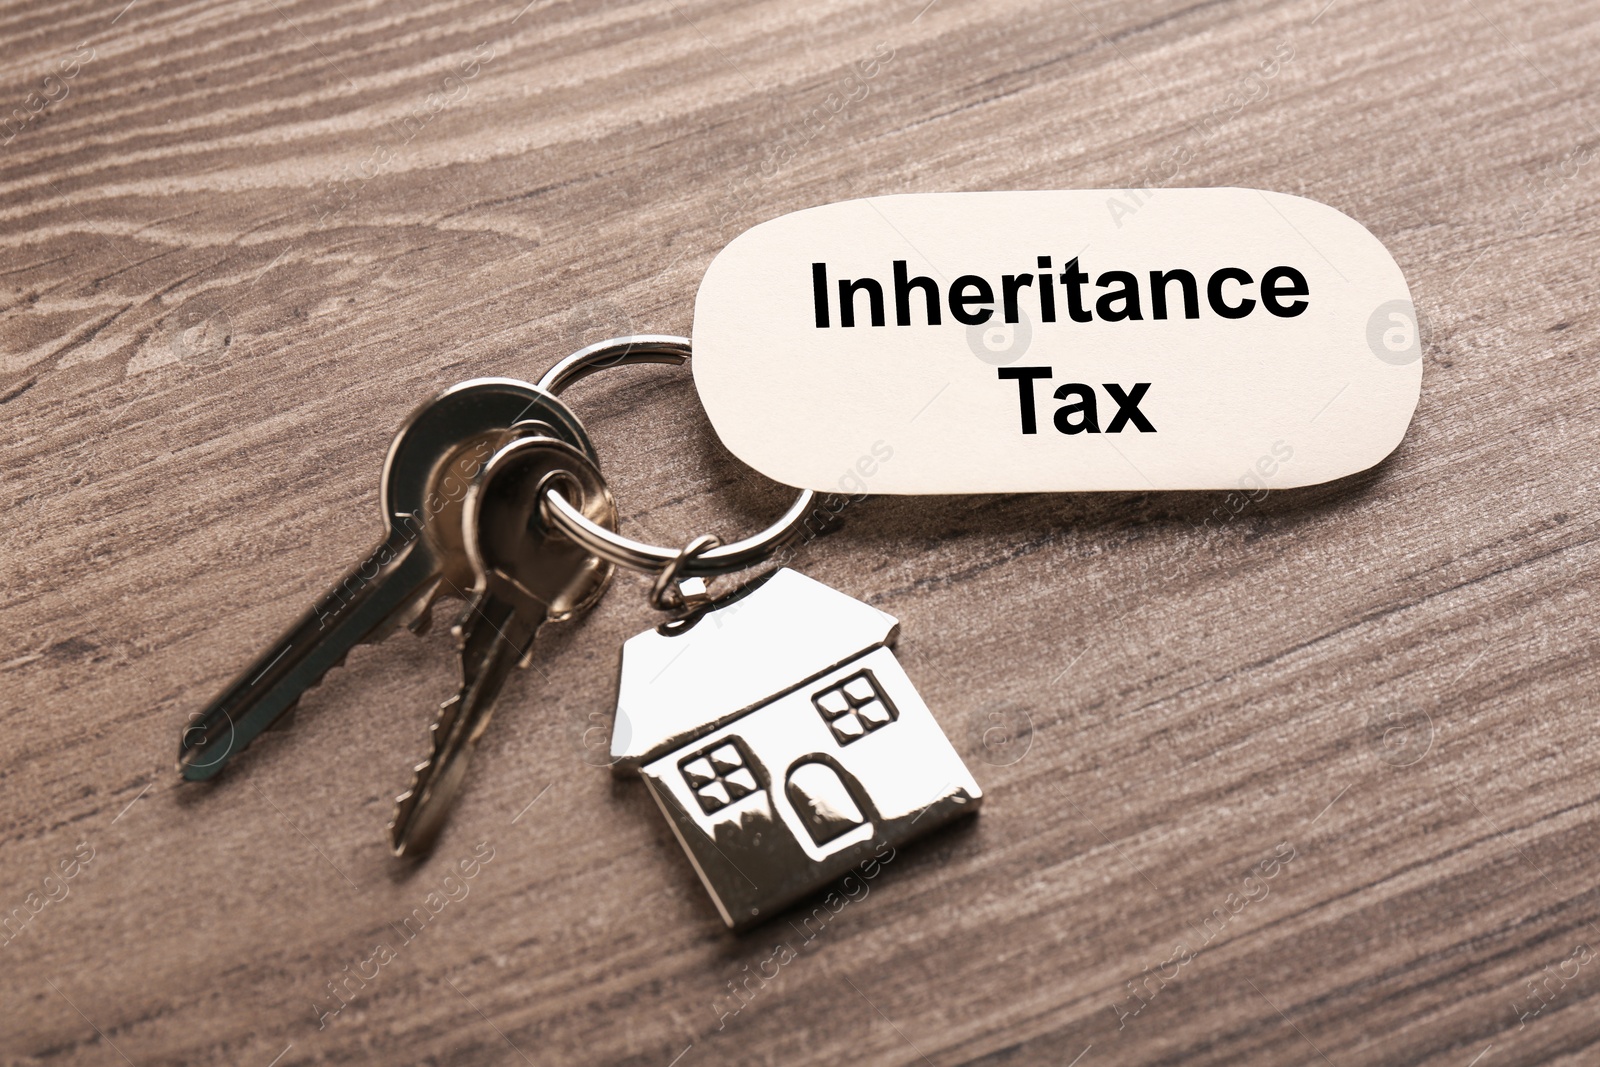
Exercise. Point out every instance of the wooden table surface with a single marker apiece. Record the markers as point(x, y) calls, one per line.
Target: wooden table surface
point(242, 240)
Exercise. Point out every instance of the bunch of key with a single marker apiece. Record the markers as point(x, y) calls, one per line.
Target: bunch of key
point(461, 495)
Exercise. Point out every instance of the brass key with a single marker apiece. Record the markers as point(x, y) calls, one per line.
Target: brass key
point(525, 574)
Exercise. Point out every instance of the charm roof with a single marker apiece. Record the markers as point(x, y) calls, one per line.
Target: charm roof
point(680, 681)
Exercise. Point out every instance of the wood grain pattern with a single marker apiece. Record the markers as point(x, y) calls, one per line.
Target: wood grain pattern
point(241, 240)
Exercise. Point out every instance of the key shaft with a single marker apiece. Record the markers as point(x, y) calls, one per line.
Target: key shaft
point(375, 592)
point(492, 646)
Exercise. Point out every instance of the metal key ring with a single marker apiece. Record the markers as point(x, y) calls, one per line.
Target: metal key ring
point(636, 555)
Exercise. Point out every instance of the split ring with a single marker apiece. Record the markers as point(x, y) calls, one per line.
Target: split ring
point(707, 562)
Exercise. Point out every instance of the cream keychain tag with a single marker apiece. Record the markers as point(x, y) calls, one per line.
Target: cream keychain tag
point(1058, 341)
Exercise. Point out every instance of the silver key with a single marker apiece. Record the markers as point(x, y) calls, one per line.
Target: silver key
point(426, 478)
point(526, 573)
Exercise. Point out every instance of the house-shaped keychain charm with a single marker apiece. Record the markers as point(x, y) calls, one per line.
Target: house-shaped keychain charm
point(783, 741)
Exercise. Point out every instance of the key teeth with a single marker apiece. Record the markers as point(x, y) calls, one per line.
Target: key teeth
point(404, 807)
point(397, 841)
point(315, 683)
point(406, 804)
